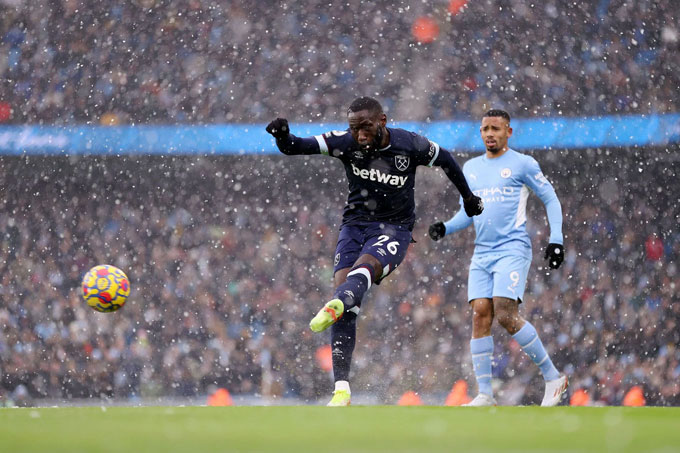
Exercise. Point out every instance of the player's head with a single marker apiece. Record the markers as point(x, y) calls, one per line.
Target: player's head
point(367, 123)
point(496, 130)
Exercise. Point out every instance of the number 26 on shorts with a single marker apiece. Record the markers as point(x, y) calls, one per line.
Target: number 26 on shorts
point(392, 247)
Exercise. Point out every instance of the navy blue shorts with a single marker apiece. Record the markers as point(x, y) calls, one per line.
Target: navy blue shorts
point(387, 243)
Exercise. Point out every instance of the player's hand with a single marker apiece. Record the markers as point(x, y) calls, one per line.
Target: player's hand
point(279, 128)
point(473, 205)
point(437, 231)
point(554, 253)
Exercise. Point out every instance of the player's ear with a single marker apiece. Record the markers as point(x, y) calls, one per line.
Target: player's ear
point(383, 119)
point(509, 131)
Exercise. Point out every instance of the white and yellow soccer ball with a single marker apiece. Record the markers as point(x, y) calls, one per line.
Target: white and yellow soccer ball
point(105, 288)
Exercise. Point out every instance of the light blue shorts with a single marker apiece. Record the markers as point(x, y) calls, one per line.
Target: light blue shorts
point(495, 275)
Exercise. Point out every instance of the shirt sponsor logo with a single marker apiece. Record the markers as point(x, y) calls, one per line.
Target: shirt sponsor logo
point(506, 172)
point(402, 162)
point(376, 175)
point(492, 191)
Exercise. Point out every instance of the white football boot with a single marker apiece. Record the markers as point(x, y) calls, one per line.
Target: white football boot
point(481, 400)
point(554, 390)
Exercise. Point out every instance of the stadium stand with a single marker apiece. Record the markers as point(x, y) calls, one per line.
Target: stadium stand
point(229, 256)
point(200, 61)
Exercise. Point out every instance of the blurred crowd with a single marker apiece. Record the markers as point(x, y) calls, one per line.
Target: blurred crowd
point(202, 61)
point(229, 257)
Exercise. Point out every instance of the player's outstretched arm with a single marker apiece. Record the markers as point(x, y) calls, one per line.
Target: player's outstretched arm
point(472, 203)
point(456, 223)
point(287, 142)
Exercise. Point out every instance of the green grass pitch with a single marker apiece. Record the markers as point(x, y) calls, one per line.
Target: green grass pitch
point(355, 429)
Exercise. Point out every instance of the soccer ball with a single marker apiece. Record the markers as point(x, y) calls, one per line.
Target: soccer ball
point(105, 288)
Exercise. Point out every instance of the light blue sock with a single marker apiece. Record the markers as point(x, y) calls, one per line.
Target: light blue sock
point(527, 337)
point(482, 353)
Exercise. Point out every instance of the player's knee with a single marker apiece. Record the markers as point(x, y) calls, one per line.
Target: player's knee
point(482, 322)
point(370, 262)
point(482, 312)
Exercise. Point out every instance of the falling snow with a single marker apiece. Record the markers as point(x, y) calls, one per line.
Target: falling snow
point(229, 256)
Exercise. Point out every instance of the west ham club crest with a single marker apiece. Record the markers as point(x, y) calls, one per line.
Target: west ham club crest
point(402, 162)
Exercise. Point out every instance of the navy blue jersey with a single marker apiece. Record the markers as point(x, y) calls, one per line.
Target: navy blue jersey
point(381, 184)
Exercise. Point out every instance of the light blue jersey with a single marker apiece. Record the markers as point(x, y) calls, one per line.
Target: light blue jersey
point(502, 258)
point(503, 183)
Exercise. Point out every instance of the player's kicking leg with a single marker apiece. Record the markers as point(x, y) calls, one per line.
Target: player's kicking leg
point(343, 324)
point(348, 295)
point(365, 254)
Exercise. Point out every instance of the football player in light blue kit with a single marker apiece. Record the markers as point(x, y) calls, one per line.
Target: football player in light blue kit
point(503, 177)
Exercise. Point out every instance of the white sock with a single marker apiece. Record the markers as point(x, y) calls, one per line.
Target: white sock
point(342, 385)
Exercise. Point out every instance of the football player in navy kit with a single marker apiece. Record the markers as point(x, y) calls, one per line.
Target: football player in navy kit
point(380, 163)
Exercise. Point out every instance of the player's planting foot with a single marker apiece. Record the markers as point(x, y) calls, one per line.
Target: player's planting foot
point(340, 398)
point(327, 316)
point(554, 390)
point(481, 400)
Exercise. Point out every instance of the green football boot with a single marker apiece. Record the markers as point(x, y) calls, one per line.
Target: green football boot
point(340, 398)
point(327, 316)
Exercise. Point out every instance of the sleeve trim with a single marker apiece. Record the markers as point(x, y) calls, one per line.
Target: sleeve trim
point(434, 146)
point(323, 146)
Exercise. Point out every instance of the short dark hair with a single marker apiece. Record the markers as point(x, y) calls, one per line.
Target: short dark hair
point(365, 103)
point(498, 112)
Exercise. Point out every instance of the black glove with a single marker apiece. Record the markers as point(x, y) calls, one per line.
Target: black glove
point(279, 128)
point(473, 205)
point(554, 253)
point(437, 231)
